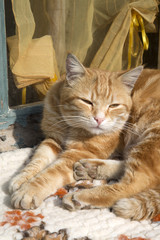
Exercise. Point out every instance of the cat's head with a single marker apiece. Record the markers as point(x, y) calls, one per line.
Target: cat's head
point(95, 100)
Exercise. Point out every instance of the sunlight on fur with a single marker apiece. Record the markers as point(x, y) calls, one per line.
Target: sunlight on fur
point(102, 125)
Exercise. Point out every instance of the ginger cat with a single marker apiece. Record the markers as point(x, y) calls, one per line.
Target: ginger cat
point(88, 118)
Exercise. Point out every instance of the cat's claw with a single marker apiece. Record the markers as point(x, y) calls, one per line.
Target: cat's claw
point(27, 197)
point(85, 169)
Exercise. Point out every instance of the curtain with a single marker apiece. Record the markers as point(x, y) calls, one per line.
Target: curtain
point(97, 32)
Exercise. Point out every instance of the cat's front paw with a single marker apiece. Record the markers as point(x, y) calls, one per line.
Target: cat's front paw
point(85, 169)
point(75, 201)
point(28, 196)
point(17, 181)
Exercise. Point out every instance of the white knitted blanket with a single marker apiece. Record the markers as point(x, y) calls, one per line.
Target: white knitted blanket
point(95, 224)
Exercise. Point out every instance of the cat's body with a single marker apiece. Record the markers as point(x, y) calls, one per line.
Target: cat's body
point(85, 122)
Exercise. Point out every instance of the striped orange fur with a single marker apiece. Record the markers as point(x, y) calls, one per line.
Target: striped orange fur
point(89, 117)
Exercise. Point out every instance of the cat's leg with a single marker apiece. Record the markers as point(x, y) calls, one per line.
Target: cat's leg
point(98, 169)
point(31, 194)
point(60, 173)
point(45, 154)
point(106, 195)
point(140, 174)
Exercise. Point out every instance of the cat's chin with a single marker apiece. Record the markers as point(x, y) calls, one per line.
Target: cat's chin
point(97, 131)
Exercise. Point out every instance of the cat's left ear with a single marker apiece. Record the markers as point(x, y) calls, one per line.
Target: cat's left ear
point(74, 69)
point(129, 78)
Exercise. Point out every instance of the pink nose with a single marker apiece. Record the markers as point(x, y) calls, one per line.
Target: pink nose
point(99, 120)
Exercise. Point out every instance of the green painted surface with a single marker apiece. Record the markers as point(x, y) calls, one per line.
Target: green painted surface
point(3, 64)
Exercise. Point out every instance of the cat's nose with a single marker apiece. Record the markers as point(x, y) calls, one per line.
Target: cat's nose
point(99, 120)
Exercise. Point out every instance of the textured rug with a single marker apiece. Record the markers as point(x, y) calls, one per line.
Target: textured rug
point(51, 221)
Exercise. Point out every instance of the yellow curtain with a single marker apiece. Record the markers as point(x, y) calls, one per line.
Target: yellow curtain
point(112, 53)
point(97, 32)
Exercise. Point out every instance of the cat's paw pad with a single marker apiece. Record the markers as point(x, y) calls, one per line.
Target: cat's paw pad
point(27, 197)
point(73, 201)
point(85, 169)
point(17, 181)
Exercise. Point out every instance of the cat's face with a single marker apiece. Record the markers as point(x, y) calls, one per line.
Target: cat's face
point(95, 100)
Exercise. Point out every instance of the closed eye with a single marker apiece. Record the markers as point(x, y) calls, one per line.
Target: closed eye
point(114, 105)
point(86, 101)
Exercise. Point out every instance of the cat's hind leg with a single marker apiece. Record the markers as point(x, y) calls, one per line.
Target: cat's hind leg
point(45, 154)
point(98, 169)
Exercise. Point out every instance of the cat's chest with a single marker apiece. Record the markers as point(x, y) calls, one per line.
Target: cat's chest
point(76, 135)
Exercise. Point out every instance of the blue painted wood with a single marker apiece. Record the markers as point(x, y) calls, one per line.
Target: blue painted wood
point(7, 116)
point(19, 114)
point(3, 64)
point(23, 111)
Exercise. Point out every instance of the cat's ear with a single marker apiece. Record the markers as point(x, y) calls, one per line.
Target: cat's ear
point(74, 69)
point(129, 78)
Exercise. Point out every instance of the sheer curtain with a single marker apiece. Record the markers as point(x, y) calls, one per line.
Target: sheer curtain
point(97, 32)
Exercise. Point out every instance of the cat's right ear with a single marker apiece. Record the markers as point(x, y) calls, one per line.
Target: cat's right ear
point(74, 69)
